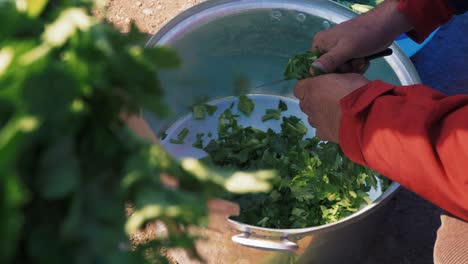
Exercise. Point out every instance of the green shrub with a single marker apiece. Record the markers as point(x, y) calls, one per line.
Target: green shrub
point(68, 163)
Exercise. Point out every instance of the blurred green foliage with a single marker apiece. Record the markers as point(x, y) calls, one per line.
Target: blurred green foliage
point(68, 163)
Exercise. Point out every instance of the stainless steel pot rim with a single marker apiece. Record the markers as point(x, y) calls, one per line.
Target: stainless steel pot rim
point(212, 9)
point(329, 10)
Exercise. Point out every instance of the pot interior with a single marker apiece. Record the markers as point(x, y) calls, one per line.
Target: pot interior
point(230, 47)
point(227, 46)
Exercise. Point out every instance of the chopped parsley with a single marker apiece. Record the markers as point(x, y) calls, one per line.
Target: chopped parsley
point(275, 113)
point(180, 137)
point(199, 141)
point(318, 184)
point(199, 111)
point(271, 114)
point(245, 105)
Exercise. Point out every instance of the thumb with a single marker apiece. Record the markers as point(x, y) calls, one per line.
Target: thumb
point(330, 61)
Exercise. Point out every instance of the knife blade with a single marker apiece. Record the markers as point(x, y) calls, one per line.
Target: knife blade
point(386, 52)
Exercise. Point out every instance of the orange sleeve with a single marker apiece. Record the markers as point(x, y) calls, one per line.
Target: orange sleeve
point(425, 16)
point(415, 136)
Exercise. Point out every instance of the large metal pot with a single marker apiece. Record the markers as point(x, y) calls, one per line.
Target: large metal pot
point(222, 41)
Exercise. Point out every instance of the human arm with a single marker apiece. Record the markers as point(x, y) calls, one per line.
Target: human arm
point(413, 135)
point(426, 15)
point(375, 30)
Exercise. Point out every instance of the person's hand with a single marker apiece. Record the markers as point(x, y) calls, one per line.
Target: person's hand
point(320, 100)
point(361, 36)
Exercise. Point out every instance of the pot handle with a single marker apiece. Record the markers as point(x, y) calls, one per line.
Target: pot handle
point(282, 245)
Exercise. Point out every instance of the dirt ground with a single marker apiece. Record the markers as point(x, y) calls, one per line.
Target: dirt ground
point(149, 15)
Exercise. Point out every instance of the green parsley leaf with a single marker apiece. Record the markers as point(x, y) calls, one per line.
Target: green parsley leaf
point(199, 111)
point(211, 109)
point(271, 114)
point(199, 141)
point(318, 184)
point(282, 106)
point(299, 65)
point(317, 71)
point(180, 137)
point(183, 134)
point(246, 105)
point(176, 141)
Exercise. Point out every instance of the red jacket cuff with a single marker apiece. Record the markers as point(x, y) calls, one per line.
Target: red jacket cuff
point(425, 16)
point(353, 109)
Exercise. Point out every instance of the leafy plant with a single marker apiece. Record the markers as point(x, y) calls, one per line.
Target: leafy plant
point(68, 162)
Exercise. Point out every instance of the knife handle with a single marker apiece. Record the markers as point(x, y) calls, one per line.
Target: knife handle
point(383, 53)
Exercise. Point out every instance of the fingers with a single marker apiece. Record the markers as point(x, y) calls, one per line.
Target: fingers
point(323, 136)
point(312, 121)
point(299, 90)
point(138, 125)
point(354, 66)
point(320, 100)
point(330, 61)
point(318, 132)
point(359, 65)
point(335, 55)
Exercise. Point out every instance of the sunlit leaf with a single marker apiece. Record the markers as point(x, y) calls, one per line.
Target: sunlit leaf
point(12, 134)
point(69, 21)
point(233, 181)
point(6, 56)
point(165, 203)
point(32, 7)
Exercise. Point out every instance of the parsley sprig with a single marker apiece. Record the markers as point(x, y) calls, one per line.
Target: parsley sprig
point(299, 66)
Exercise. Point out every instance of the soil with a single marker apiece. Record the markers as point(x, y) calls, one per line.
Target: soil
point(148, 15)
